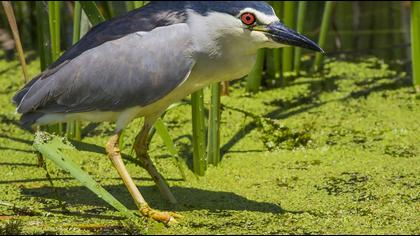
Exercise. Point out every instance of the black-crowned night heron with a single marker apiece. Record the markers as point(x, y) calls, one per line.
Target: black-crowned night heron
point(138, 64)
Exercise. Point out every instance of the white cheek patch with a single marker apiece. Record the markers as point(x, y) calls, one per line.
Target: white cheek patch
point(261, 17)
point(259, 36)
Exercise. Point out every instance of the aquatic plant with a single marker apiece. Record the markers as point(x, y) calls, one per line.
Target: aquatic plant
point(199, 133)
point(213, 146)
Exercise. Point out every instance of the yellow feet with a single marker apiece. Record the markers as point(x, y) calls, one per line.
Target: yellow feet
point(168, 218)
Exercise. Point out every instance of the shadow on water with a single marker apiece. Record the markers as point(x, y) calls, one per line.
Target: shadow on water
point(299, 105)
point(188, 198)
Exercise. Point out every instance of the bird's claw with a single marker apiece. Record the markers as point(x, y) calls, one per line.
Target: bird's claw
point(168, 218)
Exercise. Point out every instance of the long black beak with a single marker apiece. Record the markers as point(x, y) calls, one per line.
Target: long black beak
point(281, 34)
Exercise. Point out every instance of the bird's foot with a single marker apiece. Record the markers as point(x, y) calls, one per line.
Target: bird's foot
point(168, 218)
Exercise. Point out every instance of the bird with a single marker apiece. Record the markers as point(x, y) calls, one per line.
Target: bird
point(137, 64)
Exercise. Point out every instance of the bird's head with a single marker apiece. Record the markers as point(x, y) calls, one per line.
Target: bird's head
point(254, 22)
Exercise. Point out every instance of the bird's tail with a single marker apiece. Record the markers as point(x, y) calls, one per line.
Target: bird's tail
point(29, 119)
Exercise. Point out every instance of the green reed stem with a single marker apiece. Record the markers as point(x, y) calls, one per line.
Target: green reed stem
point(289, 20)
point(199, 138)
point(44, 40)
point(73, 128)
point(54, 25)
point(54, 21)
point(253, 80)
point(276, 66)
point(213, 147)
point(299, 28)
point(326, 21)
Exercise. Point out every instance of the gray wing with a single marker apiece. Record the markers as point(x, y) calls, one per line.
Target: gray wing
point(136, 69)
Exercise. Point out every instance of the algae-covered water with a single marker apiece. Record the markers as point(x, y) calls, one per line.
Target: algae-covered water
point(330, 153)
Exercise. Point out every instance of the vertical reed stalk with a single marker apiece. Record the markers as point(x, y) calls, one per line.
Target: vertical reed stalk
point(299, 28)
point(74, 127)
point(44, 40)
point(326, 20)
point(277, 51)
point(199, 142)
point(213, 146)
point(415, 43)
point(54, 25)
point(109, 9)
point(269, 66)
point(54, 20)
point(253, 80)
point(289, 20)
point(8, 9)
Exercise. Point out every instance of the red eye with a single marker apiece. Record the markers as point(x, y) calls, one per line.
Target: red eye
point(248, 18)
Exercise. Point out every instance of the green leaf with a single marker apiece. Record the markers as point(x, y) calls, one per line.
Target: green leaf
point(163, 132)
point(92, 12)
point(49, 146)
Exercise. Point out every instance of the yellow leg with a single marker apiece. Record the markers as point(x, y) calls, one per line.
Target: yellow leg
point(141, 147)
point(115, 156)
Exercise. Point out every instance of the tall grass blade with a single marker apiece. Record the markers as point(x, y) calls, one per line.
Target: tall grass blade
point(163, 132)
point(8, 9)
point(326, 21)
point(50, 146)
point(415, 43)
point(299, 28)
point(253, 80)
point(199, 138)
point(213, 146)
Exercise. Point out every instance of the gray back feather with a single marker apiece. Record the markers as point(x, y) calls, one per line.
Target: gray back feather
point(137, 69)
